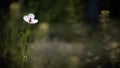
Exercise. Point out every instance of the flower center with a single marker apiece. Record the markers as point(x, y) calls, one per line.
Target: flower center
point(30, 20)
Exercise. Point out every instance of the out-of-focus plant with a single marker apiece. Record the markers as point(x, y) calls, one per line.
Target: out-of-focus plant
point(111, 43)
point(104, 20)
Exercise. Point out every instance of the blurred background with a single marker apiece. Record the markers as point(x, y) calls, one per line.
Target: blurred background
point(69, 34)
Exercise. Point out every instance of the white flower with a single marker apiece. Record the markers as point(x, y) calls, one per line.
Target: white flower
point(30, 18)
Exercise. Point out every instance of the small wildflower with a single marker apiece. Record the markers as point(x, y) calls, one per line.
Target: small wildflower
point(30, 18)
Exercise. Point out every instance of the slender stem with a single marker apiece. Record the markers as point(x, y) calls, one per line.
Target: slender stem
point(25, 48)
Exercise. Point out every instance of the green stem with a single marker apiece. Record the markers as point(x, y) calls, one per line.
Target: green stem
point(25, 46)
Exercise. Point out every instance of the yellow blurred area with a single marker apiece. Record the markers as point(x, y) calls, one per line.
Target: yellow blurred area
point(14, 7)
point(74, 59)
point(114, 45)
point(105, 12)
point(44, 26)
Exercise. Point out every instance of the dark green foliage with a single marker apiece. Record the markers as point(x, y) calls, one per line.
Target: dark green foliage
point(65, 22)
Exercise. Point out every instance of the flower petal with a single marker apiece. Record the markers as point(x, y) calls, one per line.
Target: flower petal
point(31, 15)
point(34, 21)
point(26, 19)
